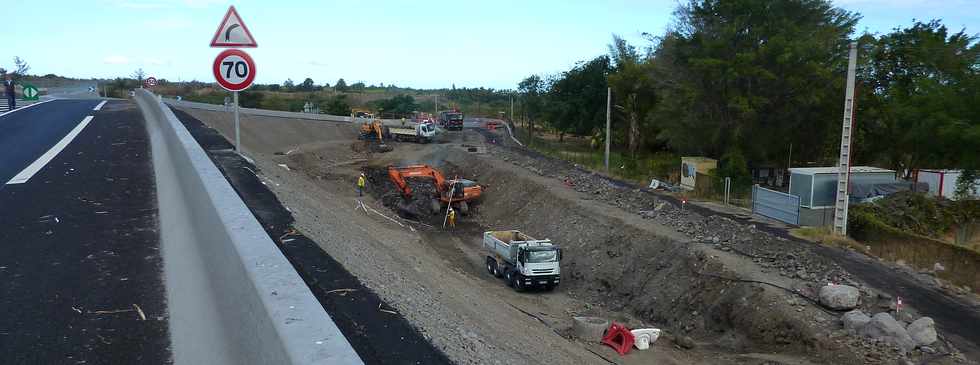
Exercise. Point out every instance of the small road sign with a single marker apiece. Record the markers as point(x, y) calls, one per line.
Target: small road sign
point(234, 69)
point(150, 81)
point(31, 92)
point(232, 32)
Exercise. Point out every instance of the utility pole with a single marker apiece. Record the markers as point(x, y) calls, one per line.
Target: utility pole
point(511, 108)
point(844, 170)
point(608, 122)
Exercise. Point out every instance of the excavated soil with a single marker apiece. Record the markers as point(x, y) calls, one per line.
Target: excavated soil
point(723, 291)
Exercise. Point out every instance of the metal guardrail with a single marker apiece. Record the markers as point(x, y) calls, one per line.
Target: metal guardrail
point(776, 205)
point(233, 297)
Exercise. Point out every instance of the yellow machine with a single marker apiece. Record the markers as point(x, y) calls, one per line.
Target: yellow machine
point(374, 130)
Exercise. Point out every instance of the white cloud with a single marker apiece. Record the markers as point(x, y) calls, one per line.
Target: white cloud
point(202, 3)
point(155, 62)
point(162, 4)
point(141, 5)
point(116, 60)
point(316, 63)
point(169, 23)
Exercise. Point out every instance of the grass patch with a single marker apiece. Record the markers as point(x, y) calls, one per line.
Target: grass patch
point(824, 236)
point(647, 165)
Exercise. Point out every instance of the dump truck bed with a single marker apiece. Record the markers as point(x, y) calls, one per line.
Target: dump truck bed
point(505, 244)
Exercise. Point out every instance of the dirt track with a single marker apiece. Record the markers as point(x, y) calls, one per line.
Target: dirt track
point(619, 265)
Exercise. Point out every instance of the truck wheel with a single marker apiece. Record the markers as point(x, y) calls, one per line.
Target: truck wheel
point(435, 206)
point(509, 276)
point(464, 208)
point(519, 283)
point(492, 267)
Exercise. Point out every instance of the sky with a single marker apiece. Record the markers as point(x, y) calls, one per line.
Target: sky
point(421, 44)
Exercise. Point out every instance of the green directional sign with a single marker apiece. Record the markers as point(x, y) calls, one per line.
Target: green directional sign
point(30, 92)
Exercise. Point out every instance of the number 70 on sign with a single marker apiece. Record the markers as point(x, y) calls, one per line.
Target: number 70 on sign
point(234, 69)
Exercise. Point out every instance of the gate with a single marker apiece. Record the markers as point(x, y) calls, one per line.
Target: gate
point(776, 205)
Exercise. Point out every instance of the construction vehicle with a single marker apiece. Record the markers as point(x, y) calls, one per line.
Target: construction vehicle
point(374, 130)
point(458, 193)
point(451, 120)
point(523, 261)
point(361, 114)
point(418, 132)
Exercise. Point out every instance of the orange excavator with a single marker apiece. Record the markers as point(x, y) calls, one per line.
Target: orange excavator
point(456, 192)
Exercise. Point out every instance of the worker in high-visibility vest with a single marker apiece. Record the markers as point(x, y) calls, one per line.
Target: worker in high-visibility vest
point(361, 180)
point(452, 218)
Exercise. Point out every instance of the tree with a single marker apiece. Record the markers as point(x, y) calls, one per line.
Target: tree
point(338, 105)
point(341, 85)
point(288, 85)
point(306, 85)
point(357, 86)
point(576, 99)
point(400, 105)
point(632, 85)
point(21, 67)
point(920, 98)
point(966, 184)
point(250, 99)
point(531, 89)
point(139, 74)
point(753, 76)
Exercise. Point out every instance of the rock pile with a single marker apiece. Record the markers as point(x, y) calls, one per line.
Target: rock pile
point(883, 327)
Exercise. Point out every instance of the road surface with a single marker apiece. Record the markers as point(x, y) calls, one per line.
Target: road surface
point(80, 267)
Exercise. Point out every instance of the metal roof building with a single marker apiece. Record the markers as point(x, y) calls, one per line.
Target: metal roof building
point(817, 186)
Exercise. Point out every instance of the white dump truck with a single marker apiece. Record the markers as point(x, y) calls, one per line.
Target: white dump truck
point(418, 132)
point(523, 261)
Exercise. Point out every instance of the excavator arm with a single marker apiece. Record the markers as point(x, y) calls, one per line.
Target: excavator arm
point(398, 175)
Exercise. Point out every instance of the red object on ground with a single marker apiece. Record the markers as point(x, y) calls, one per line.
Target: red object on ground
point(619, 338)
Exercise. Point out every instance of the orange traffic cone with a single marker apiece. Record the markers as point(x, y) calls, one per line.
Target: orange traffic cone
point(619, 338)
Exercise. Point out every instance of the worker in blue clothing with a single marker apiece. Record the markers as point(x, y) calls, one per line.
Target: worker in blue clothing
point(8, 89)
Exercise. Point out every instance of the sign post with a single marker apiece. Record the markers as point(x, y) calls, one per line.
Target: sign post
point(233, 68)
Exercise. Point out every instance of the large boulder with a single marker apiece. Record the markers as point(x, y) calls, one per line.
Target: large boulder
point(922, 331)
point(839, 297)
point(886, 328)
point(855, 320)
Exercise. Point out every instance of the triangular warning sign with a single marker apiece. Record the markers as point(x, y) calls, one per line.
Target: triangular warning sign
point(232, 32)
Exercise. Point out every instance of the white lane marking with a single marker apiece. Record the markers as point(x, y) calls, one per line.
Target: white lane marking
point(38, 164)
point(23, 107)
point(99, 107)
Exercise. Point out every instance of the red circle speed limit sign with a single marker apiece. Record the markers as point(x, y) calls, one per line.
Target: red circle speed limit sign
point(234, 70)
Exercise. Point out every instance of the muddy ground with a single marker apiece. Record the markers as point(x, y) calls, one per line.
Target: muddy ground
point(735, 293)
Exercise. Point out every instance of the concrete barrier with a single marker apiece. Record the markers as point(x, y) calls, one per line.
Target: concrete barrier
point(274, 113)
point(233, 298)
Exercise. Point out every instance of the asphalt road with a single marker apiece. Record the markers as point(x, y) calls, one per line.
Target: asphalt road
point(80, 268)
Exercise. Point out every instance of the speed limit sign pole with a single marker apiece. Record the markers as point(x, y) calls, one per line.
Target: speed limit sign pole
point(234, 70)
point(238, 138)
